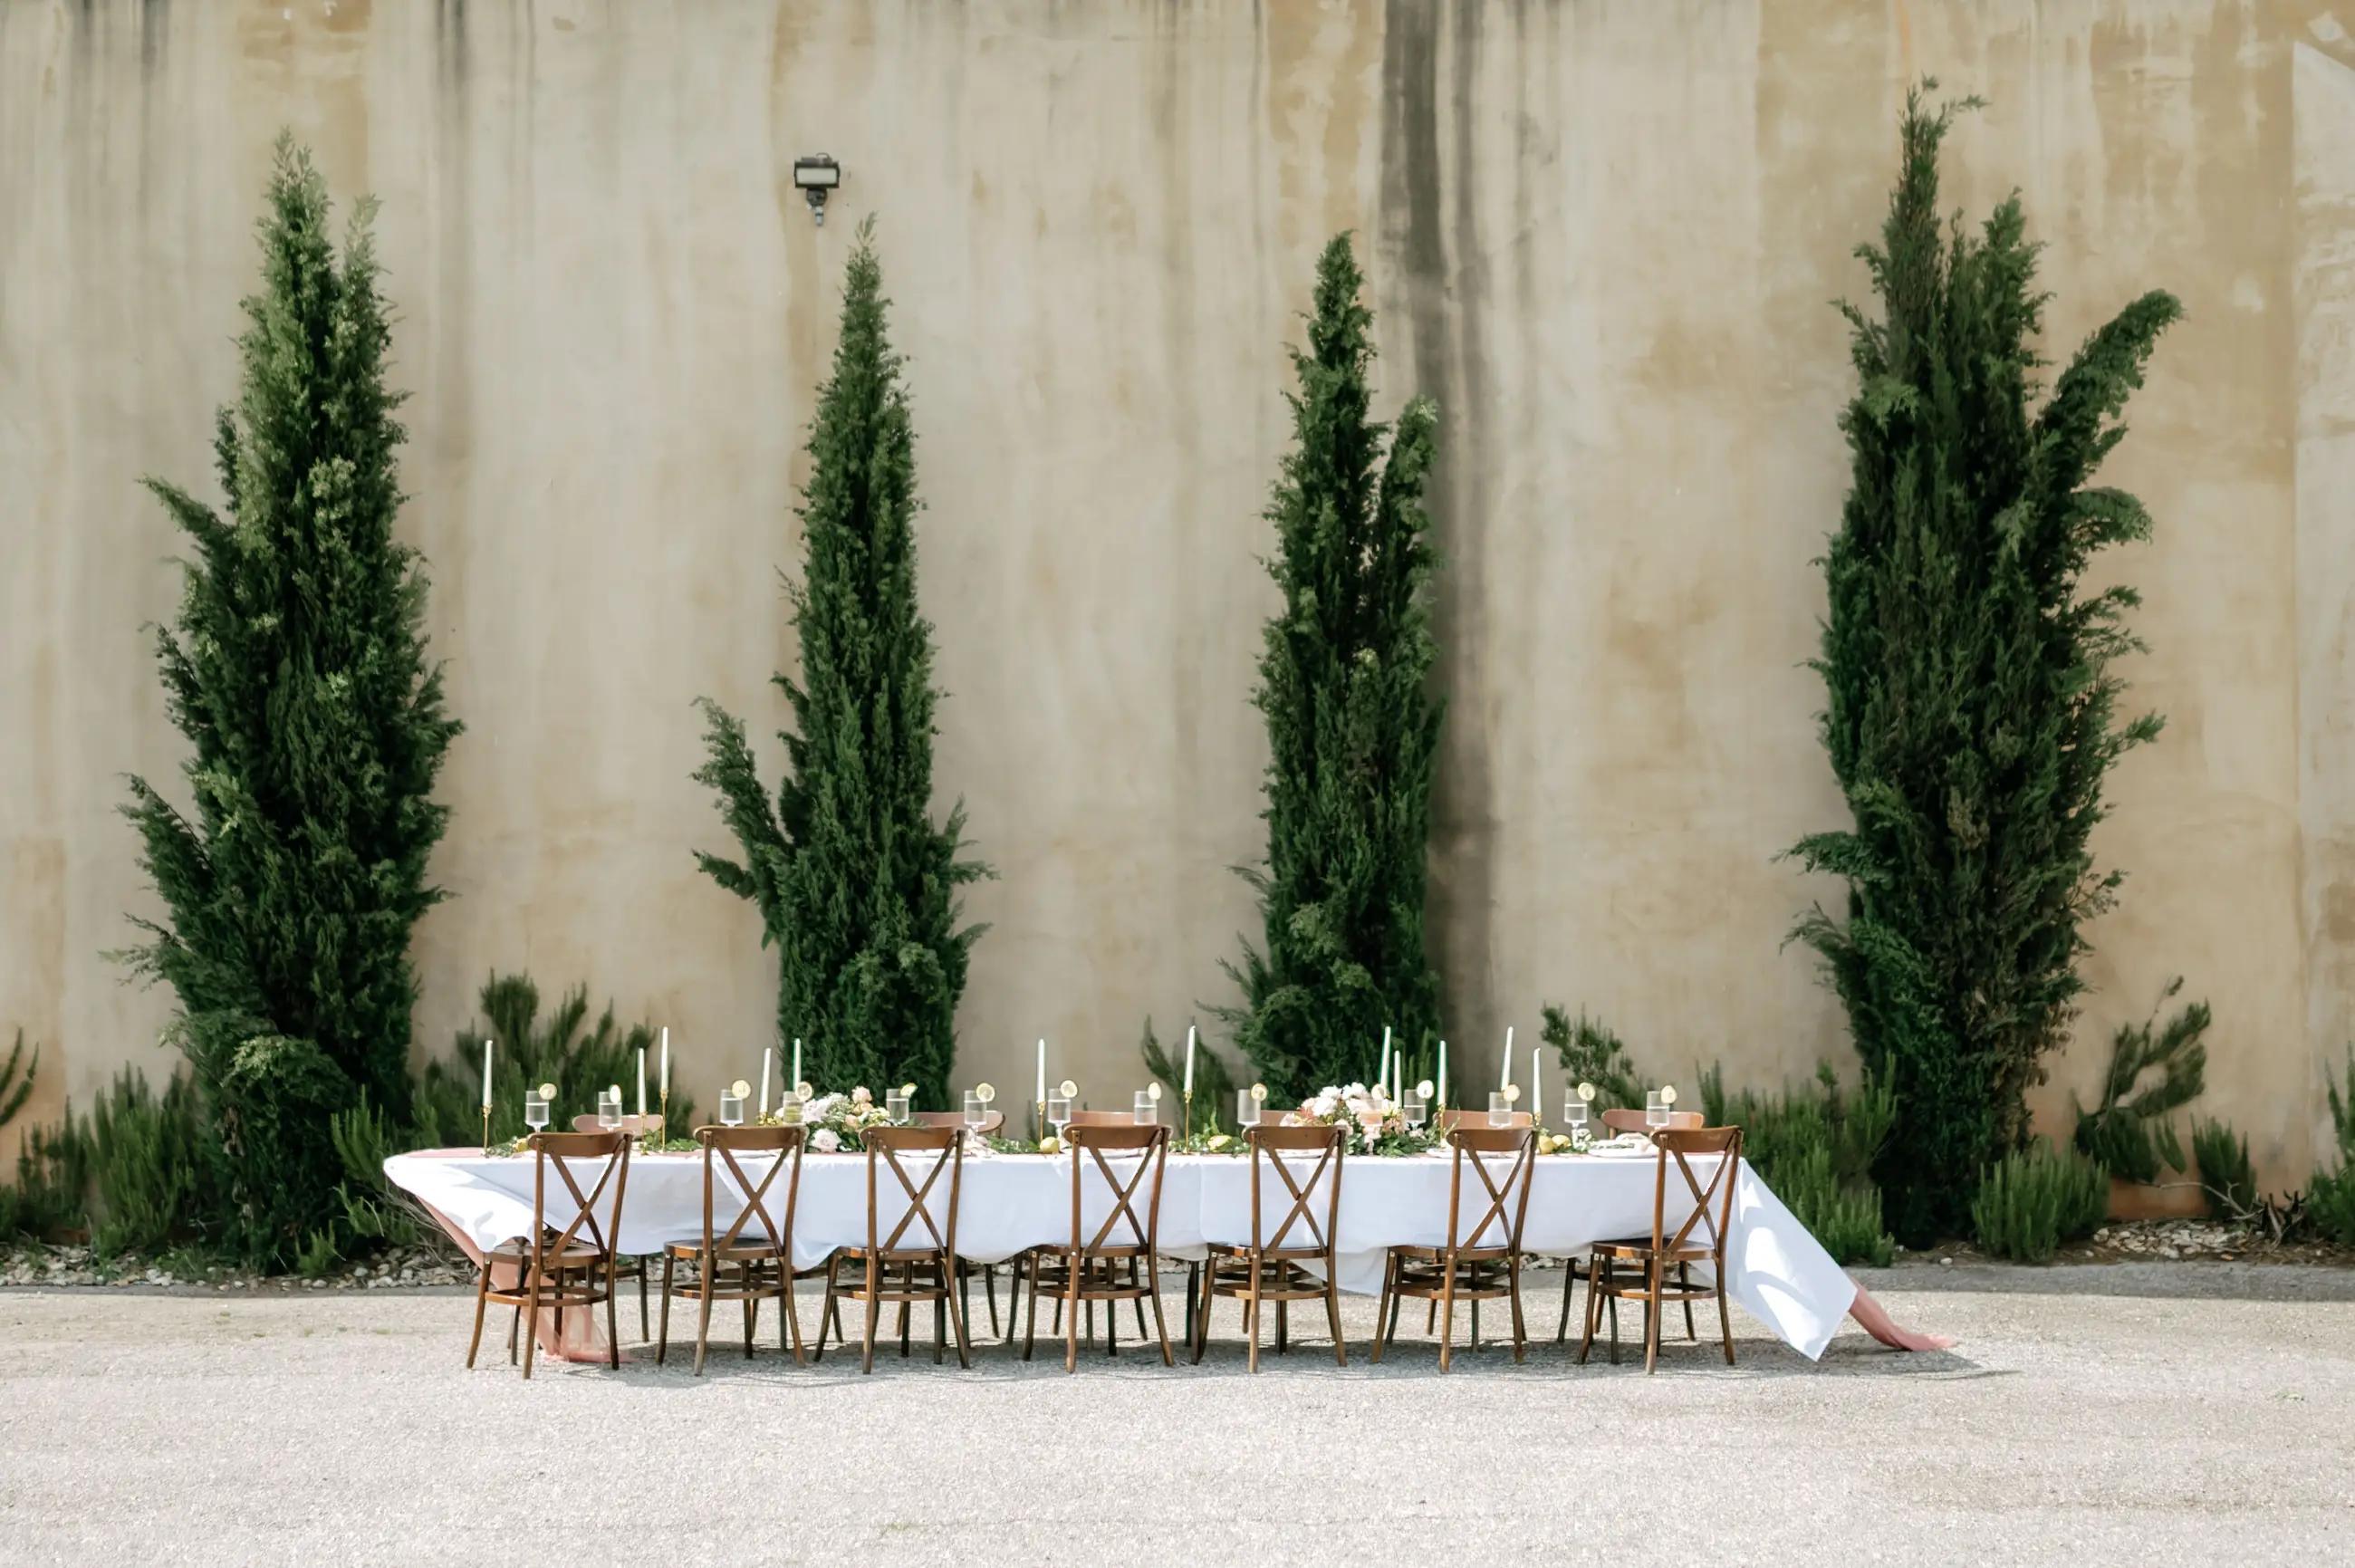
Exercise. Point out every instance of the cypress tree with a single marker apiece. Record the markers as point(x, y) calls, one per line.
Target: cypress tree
point(855, 885)
point(1972, 710)
point(297, 669)
point(1351, 725)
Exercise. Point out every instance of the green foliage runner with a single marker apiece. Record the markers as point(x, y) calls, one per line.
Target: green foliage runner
point(297, 669)
point(855, 885)
point(1972, 710)
point(1351, 726)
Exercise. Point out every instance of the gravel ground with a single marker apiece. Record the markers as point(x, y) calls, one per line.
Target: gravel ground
point(2152, 1413)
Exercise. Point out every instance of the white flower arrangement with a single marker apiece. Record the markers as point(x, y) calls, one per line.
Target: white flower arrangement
point(1378, 1118)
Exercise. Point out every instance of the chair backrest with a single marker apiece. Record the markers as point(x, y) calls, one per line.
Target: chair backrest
point(1452, 1118)
point(1152, 1145)
point(1677, 1144)
point(720, 1147)
point(1632, 1120)
point(1500, 1205)
point(1268, 1144)
point(556, 1151)
point(636, 1127)
point(884, 1147)
point(1106, 1119)
point(992, 1122)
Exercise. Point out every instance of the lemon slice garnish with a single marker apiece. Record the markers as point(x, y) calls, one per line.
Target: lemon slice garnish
point(740, 1089)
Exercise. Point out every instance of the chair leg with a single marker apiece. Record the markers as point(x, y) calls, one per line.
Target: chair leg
point(940, 1328)
point(1652, 1315)
point(612, 1332)
point(1160, 1324)
point(1209, 1278)
point(874, 1310)
point(1333, 1317)
point(1383, 1304)
point(956, 1321)
point(515, 1328)
point(1074, 1265)
point(1030, 1321)
point(482, 1304)
point(989, 1291)
point(1138, 1301)
point(829, 1309)
point(789, 1311)
point(662, 1341)
point(1684, 1281)
point(1476, 1325)
point(1594, 1309)
point(643, 1335)
point(531, 1313)
point(752, 1307)
point(1447, 1314)
point(1569, 1278)
point(1250, 1312)
point(1521, 1336)
point(707, 1281)
point(1724, 1318)
point(1111, 1314)
point(1193, 1283)
point(1282, 1328)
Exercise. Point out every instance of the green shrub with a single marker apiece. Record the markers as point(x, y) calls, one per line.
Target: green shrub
point(1814, 1146)
point(579, 1060)
point(2330, 1198)
point(1214, 1081)
point(157, 1168)
point(374, 1210)
point(2129, 1133)
point(1592, 1053)
point(17, 1079)
point(2034, 1199)
point(2225, 1171)
point(50, 1194)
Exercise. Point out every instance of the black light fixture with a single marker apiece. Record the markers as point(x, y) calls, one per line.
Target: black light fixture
point(813, 175)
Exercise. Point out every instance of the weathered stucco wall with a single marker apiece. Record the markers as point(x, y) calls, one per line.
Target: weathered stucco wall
point(1603, 235)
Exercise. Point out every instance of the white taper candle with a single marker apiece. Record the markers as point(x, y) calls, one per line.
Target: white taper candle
point(1190, 1059)
point(1536, 1088)
point(766, 1052)
point(665, 1063)
point(1504, 1079)
point(641, 1083)
point(486, 1075)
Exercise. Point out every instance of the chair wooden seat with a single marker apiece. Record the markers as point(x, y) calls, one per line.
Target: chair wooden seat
point(750, 1260)
point(1638, 1269)
point(1273, 1267)
point(571, 1267)
point(1481, 1259)
point(1120, 1260)
point(924, 1260)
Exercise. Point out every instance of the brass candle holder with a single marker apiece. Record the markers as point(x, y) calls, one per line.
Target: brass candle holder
point(486, 1129)
point(1189, 1117)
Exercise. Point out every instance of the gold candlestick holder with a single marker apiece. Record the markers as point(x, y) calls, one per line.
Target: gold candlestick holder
point(486, 1130)
point(1189, 1117)
point(1038, 1127)
point(664, 1131)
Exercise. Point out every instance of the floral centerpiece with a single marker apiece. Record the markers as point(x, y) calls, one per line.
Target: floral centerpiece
point(1380, 1122)
point(838, 1124)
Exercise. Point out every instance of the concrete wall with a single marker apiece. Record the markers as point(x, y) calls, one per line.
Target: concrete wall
point(1603, 235)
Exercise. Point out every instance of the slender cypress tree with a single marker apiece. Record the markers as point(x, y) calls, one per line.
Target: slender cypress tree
point(855, 885)
point(297, 669)
point(1972, 711)
point(1351, 725)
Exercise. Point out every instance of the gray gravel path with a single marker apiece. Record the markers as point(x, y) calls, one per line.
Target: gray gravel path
point(2152, 1414)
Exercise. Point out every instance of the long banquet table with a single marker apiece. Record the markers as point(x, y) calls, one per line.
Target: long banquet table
point(1776, 1270)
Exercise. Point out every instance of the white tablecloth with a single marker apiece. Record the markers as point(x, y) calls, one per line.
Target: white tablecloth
point(1777, 1271)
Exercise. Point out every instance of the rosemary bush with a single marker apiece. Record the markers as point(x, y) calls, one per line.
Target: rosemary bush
point(2034, 1199)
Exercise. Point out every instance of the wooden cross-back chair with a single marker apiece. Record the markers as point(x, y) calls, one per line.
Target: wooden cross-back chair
point(1096, 1119)
point(993, 1123)
point(1615, 1267)
point(1454, 1117)
point(1268, 1266)
point(752, 1244)
point(1105, 1265)
point(1573, 1268)
point(627, 1267)
point(1481, 1259)
point(564, 1267)
point(915, 1261)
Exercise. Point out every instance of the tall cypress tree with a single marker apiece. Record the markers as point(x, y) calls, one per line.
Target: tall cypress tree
point(855, 885)
point(1352, 728)
point(1972, 708)
point(297, 669)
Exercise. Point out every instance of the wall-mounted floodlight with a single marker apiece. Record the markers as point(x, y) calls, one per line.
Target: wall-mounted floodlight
point(814, 176)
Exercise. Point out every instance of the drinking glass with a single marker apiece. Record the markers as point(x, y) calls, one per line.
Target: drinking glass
point(1246, 1108)
point(1500, 1108)
point(789, 1108)
point(1058, 1114)
point(1656, 1111)
point(1416, 1110)
point(975, 1111)
point(732, 1110)
point(895, 1105)
point(1575, 1113)
point(609, 1111)
point(534, 1110)
point(1147, 1113)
